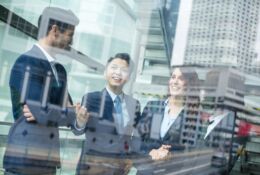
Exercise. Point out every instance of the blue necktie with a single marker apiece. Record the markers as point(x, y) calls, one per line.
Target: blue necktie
point(119, 113)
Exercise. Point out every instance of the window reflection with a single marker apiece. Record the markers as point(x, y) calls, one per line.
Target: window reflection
point(216, 40)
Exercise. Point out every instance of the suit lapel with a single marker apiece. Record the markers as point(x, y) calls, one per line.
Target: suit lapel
point(130, 107)
point(106, 106)
point(175, 128)
point(61, 73)
point(157, 121)
point(131, 110)
point(156, 126)
point(58, 89)
point(39, 55)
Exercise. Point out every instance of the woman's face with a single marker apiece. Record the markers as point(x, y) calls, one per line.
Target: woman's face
point(177, 83)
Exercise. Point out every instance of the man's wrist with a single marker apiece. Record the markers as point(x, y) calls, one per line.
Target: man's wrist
point(80, 125)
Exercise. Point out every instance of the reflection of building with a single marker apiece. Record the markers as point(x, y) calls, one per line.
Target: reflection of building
point(223, 90)
point(192, 123)
point(156, 24)
point(170, 14)
point(220, 33)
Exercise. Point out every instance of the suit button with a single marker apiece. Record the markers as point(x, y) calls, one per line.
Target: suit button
point(94, 140)
point(51, 136)
point(111, 141)
point(25, 132)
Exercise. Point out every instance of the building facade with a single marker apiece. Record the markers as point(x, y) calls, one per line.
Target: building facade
point(221, 32)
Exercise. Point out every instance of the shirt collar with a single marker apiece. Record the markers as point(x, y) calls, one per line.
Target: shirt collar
point(46, 54)
point(113, 95)
point(166, 103)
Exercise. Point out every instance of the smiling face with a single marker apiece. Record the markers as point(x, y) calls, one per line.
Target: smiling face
point(117, 74)
point(177, 83)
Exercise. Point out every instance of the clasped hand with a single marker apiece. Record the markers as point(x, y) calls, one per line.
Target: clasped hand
point(160, 153)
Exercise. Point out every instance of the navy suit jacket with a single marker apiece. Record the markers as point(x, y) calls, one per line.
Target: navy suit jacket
point(34, 144)
point(100, 104)
point(104, 140)
point(150, 125)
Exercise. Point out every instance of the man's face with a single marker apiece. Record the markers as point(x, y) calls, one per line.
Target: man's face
point(117, 73)
point(63, 40)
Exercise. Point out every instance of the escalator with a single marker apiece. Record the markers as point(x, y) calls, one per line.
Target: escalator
point(27, 28)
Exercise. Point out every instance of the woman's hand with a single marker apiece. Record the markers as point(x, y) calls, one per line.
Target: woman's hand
point(161, 153)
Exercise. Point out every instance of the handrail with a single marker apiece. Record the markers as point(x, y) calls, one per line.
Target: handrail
point(5, 123)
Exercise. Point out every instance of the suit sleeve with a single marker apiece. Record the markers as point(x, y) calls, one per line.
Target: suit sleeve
point(144, 122)
point(35, 86)
point(145, 127)
point(75, 129)
point(137, 113)
point(15, 84)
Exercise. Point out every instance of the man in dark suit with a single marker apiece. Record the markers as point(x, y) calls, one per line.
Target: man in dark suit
point(33, 142)
point(110, 138)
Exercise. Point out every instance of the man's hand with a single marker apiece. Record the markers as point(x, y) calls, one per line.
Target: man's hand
point(27, 114)
point(82, 115)
point(161, 153)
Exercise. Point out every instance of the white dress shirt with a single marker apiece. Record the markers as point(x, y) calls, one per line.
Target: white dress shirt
point(168, 119)
point(125, 114)
point(50, 59)
point(46, 54)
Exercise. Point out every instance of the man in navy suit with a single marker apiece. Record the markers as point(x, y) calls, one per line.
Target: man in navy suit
point(33, 145)
point(106, 145)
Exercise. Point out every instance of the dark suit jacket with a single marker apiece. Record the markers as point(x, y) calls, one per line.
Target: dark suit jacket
point(150, 125)
point(98, 138)
point(33, 144)
point(100, 105)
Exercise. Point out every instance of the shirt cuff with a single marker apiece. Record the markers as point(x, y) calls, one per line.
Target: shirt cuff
point(77, 127)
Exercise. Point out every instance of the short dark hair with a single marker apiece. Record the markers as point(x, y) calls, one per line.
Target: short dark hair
point(64, 19)
point(61, 25)
point(122, 56)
